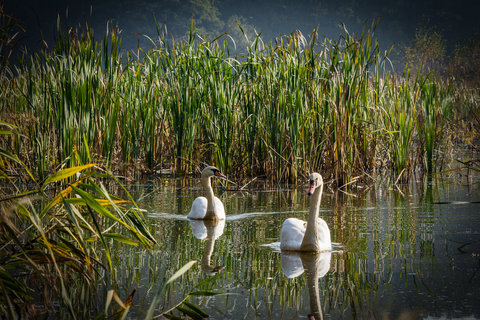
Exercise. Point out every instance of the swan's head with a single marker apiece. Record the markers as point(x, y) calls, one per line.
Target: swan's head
point(315, 182)
point(212, 172)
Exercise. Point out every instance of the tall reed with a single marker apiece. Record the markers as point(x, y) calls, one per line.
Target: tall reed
point(285, 108)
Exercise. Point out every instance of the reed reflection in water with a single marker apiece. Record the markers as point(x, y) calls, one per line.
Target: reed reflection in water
point(406, 252)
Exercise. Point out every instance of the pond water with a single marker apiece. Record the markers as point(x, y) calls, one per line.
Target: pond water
point(400, 252)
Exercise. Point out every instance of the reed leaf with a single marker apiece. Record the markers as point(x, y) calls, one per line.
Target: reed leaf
point(181, 271)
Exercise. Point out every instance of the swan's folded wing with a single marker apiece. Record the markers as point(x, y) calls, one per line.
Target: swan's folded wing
point(199, 208)
point(291, 236)
point(324, 240)
point(219, 208)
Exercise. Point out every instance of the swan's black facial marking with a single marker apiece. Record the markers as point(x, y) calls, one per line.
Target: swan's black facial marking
point(217, 173)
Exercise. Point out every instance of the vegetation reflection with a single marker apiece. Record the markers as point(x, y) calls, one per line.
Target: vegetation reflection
point(384, 241)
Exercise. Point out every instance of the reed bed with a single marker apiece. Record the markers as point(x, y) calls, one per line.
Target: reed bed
point(56, 248)
point(62, 241)
point(285, 108)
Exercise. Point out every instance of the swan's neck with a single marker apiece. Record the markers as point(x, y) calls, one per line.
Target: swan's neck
point(211, 212)
point(310, 239)
point(311, 273)
point(208, 251)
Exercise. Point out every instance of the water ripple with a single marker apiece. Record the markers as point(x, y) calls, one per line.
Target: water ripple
point(232, 217)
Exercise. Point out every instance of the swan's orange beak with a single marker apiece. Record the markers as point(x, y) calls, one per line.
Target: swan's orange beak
point(219, 174)
point(311, 189)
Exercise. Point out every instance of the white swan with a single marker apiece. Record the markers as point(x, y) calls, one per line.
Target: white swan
point(210, 207)
point(208, 230)
point(313, 235)
point(315, 266)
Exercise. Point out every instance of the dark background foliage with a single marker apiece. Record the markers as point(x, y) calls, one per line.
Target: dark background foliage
point(454, 21)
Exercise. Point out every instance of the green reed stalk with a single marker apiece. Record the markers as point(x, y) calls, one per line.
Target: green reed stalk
point(286, 108)
point(399, 118)
point(435, 107)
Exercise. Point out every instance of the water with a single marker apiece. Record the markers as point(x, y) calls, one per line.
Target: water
point(403, 252)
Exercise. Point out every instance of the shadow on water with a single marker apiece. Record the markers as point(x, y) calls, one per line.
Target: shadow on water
point(406, 252)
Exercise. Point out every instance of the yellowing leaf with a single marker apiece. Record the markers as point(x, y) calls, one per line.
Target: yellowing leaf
point(65, 173)
point(102, 202)
point(65, 192)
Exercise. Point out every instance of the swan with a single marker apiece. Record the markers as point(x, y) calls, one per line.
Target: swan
point(313, 235)
point(208, 230)
point(316, 266)
point(210, 207)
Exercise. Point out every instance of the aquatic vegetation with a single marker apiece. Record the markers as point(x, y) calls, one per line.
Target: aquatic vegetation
point(58, 238)
point(47, 245)
point(179, 104)
point(72, 114)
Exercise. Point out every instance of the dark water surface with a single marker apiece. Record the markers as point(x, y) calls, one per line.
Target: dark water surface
point(401, 252)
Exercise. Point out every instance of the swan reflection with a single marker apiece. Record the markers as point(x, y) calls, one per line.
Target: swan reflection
point(208, 230)
point(315, 266)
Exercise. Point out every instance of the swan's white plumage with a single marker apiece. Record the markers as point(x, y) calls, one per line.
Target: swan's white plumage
point(293, 232)
point(291, 264)
point(209, 207)
point(314, 235)
point(199, 208)
point(291, 236)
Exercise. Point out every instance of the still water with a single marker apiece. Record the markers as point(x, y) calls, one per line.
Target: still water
point(400, 252)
